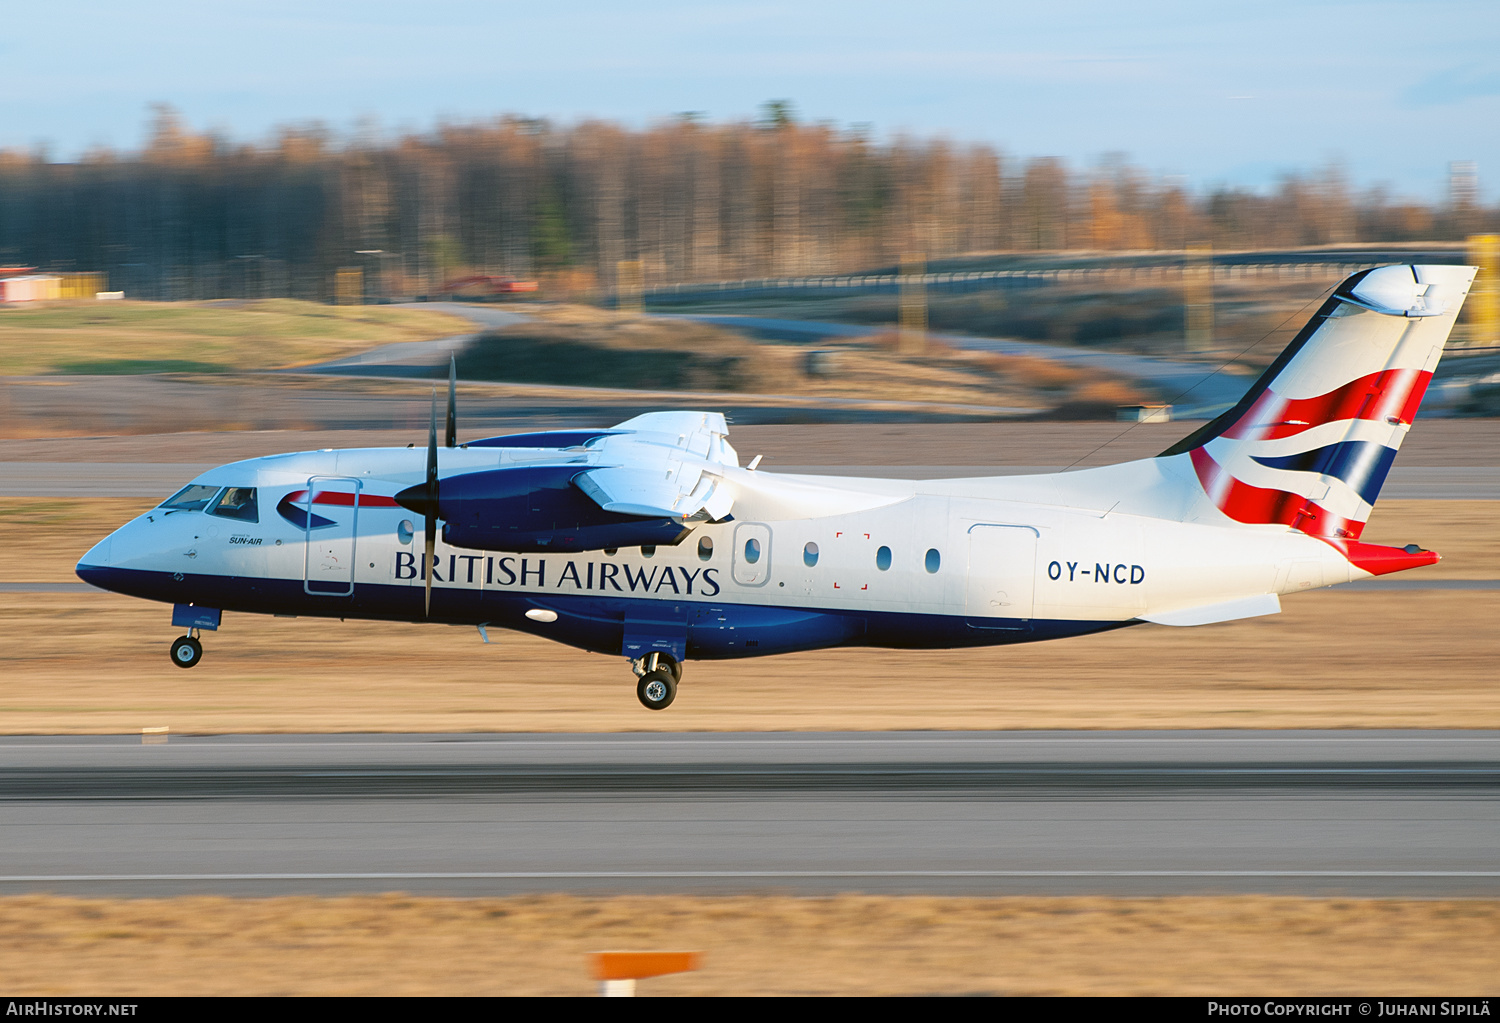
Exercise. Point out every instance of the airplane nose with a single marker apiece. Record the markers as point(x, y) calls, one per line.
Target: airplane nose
point(93, 567)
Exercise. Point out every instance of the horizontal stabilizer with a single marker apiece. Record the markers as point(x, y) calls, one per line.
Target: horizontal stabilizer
point(1405, 291)
point(1228, 611)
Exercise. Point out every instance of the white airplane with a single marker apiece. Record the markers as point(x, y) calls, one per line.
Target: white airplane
point(650, 540)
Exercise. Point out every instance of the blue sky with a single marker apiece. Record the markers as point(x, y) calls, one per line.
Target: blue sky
point(1215, 92)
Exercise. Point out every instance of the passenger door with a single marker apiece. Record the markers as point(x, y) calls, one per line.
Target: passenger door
point(329, 552)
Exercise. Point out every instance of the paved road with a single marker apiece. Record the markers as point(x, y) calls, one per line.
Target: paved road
point(417, 358)
point(1410, 813)
point(160, 479)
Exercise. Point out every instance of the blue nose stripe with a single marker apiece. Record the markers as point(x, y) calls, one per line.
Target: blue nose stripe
point(1362, 464)
point(94, 575)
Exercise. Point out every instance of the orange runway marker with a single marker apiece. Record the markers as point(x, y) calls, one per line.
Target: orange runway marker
point(617, 972)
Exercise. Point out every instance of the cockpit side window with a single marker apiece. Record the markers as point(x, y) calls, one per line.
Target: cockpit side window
point(237, 503)
point(193, 497)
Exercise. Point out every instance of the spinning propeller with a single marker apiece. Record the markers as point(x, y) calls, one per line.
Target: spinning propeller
point(423, 498)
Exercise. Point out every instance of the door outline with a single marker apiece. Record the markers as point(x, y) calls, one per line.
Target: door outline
point(307, 538)
point(972, 611)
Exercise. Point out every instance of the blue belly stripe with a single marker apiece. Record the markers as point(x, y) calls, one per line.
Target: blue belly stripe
point(597, 623)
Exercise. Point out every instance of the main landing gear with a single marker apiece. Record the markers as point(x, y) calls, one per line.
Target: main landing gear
point(186, 651)
point(659, 675)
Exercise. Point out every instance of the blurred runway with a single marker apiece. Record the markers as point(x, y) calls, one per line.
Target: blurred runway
point(1368, 813)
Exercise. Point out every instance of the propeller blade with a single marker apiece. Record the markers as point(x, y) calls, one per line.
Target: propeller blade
point(432, 460)
point(452, 434)
point(431, 556)
point(430, 514)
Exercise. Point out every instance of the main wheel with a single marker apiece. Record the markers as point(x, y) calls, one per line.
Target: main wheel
point(656, 690)
point(671, 667)
point(186, 651)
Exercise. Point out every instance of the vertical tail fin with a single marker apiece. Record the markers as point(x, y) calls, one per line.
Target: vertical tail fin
point(1310, 444)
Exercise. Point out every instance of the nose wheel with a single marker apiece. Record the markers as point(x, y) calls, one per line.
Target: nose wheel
point(187, 651)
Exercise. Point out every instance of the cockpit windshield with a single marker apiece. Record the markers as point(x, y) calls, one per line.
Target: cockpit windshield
point(193, 497)
point(237, 503)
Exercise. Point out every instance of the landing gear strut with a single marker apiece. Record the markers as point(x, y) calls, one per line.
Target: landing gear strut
point(186, 651)
point(659, 675)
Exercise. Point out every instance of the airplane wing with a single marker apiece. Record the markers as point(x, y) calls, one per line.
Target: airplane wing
point(664, 464)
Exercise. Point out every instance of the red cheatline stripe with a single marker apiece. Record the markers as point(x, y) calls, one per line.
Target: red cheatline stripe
point(346, 500)
point(1389, 394)
point(1244, 503)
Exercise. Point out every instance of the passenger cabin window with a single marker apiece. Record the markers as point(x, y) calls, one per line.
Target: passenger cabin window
point(190, 498)
point(934, 560)
point(810, 554)
point(705, 548)
point(648, 551)
point(752, 551)
point(883, 558)
point(237, 503)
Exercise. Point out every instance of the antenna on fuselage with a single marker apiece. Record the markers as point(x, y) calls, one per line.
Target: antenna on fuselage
point(452, 434)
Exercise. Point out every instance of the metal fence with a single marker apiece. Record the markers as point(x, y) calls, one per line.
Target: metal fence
point(843, 285)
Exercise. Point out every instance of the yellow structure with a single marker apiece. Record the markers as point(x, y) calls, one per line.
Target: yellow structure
point(1483, 306)
point(349, 285)
point(1198, 297)
point(630, 283)
point(81, 285)
point(913, 287)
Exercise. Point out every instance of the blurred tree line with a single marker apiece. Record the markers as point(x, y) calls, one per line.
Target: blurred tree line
point(192, 215)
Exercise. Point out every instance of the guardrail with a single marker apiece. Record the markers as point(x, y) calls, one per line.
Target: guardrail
point(985, 280)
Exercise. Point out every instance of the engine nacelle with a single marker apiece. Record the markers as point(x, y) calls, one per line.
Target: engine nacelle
point(536, 508)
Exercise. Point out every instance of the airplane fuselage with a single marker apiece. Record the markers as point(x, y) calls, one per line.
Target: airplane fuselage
point(892, 563)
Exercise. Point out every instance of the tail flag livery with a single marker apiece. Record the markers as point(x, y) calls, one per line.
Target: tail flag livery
point(1310, 444)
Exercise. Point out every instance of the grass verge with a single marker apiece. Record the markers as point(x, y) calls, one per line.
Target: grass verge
point(201, 337)
point(1309, 667)
point(752, 945)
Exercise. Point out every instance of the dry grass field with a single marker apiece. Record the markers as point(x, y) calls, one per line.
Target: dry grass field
point(93, 662)
point(225, 335)
point(766, 945)
point(98, 663)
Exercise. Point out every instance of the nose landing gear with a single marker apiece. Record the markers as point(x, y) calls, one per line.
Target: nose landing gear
point(659, 675)
point(186, 651)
